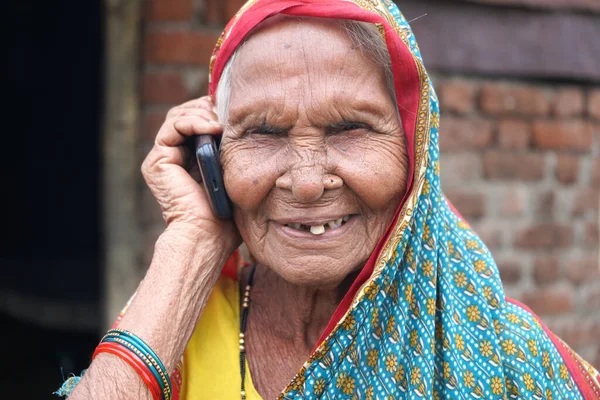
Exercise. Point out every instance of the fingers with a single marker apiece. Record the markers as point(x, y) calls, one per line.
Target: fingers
point(188, 126)
point(197, 122)
point(161, 156)
point(195, 117)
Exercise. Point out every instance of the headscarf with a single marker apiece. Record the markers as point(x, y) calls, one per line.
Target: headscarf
point(427, 316)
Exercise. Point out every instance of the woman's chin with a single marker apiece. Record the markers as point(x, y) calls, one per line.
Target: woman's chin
point(314, 271)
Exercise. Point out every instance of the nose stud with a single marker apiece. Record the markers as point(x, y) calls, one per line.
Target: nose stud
point(331, 181)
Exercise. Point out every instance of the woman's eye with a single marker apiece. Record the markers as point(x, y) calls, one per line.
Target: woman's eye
point(266, 130)
point(349, 127)
point(352, 127)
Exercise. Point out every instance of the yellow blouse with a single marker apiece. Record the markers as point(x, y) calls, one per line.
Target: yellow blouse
point(212, 360)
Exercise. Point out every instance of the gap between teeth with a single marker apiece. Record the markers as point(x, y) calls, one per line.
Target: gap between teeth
point(320, 229)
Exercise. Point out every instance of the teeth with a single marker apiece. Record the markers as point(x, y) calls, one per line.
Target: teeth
point(317, 230)
point(320, 229)
point(334, 224)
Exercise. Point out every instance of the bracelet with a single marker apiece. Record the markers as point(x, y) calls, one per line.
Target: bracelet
point(69, 385)
point(138, 347)
point(134, 362)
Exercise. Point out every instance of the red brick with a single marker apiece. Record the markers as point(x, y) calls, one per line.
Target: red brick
point(514, 201)
point(233, 6)
point(596, 173)
point(518, 166)
point(545, 236)
point(170, 10)
point(595, 139)
point(592, 235)
point(502, 98)
point(579, 270)
point(469, 204)
point(213, 12)
point(563, 135)
point(567, 168)
point(510, 271)
point(514, 134)
point(546, 270)
point(586, 201)
point(457, 96)
point(569, 102)
point(544, 207)
point(594, 104)
point(549, 301)
point(593, 299)
point(463, 134)
point(164, 88)
point(151, 123)
point(180, 47)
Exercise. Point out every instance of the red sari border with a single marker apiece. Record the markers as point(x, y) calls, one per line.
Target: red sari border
point(588, 386)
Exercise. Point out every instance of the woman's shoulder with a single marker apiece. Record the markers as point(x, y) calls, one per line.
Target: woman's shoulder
point(526, 340)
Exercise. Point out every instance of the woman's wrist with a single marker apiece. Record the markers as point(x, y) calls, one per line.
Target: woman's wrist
point(168, 302)
point(170, 299)
point(195, 240)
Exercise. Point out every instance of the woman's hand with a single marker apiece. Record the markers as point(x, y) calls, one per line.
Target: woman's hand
point(174, 179)
point(187, 259)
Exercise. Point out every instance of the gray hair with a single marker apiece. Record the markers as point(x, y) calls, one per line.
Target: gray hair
point(364, 35)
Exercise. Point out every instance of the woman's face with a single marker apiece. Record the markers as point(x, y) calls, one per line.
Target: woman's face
point(313, 156)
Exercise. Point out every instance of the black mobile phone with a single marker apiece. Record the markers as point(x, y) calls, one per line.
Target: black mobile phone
point(207, 156)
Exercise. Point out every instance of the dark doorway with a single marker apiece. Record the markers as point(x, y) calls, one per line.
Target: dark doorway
point(51, 251)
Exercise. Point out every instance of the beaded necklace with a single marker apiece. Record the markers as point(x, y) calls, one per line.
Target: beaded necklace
point(243, 320)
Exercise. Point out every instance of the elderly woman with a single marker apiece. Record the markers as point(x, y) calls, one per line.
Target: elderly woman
point(366, 283)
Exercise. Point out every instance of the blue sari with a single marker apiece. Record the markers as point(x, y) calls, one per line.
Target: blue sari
point(427, 317)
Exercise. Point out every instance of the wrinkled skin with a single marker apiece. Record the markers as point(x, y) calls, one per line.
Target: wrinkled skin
point(312, 135)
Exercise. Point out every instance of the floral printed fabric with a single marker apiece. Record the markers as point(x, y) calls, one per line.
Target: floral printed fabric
point(433, 322)
point(430, 319)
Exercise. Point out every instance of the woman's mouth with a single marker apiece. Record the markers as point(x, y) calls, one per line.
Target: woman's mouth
point(320, 229)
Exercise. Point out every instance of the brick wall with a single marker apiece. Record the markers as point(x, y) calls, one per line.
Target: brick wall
point(519, 160)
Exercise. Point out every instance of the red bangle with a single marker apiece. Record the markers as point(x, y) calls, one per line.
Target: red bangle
point(127, 356)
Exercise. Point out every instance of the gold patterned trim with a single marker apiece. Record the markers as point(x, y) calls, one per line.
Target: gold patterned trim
point(591, 376)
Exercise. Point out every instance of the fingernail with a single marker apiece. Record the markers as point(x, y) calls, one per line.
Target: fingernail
point(213, 122)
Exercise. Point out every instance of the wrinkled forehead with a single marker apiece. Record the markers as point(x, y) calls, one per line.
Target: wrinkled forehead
point(280, 43)
point(297, 16)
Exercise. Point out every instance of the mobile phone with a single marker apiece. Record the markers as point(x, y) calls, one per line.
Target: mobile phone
point(207, 157)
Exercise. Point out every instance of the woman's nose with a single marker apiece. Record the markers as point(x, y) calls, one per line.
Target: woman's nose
point(308, 183)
